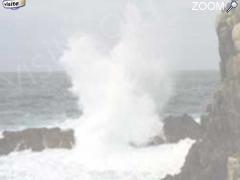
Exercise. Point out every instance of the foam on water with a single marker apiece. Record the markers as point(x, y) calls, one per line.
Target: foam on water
point(148, 163)
point(117, 94)
point(116, 90)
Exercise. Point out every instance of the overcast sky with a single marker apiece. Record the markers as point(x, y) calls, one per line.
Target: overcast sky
point(34, 37)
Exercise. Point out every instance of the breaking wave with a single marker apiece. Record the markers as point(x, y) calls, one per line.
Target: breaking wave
point(120, 93)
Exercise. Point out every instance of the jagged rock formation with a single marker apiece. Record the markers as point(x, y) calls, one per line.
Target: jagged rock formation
point(36, 139)
point(208, 157)
point(181, 127)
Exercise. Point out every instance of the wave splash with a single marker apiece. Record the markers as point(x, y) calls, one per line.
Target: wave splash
point(120, 93)
point(116, 90)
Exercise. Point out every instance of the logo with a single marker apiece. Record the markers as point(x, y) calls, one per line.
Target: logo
point(208, 5)
point(13, 4)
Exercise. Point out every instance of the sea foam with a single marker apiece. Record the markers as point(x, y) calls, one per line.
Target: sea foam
point(120, 93)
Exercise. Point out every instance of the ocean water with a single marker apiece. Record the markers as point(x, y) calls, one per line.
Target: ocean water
point(35, 99)
point(39, 99)
point(112, 97)
point(123, 94)
point(193, 91)
point(42, 99)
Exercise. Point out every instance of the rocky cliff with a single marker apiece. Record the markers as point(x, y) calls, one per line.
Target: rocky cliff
point(209, 158)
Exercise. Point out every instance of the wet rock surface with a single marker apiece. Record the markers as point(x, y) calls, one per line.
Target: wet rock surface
point(208, 158)
point(36, 139)
point(180, 127)
point(175, 128)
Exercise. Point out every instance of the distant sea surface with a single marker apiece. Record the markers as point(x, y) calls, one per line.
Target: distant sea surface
point(40, 99)
point(193, 91)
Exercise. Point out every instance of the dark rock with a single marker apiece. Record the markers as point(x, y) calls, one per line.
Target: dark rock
point(208, 157)
point(36, 139)
point(157, 140)
point(154, 141)
point(181, 127)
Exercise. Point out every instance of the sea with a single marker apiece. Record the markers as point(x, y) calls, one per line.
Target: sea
point(33, 99)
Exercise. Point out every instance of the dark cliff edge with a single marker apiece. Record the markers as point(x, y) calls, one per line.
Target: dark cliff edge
point(36, 139)
point(212, 156)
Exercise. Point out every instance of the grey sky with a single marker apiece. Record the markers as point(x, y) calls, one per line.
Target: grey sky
point(33, 37)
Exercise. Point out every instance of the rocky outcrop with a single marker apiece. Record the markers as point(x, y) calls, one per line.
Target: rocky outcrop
point(181, 127)
point(208, 157)
point(175, 128)
point(36, 139)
